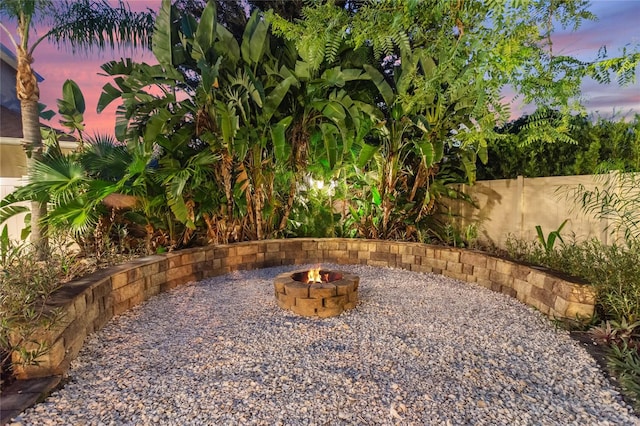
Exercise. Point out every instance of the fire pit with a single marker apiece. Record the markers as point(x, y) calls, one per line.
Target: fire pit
point(317, 292)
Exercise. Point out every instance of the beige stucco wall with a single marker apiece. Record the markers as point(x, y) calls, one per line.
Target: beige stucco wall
point(516, 206)
point(13, 161)
point(13, 172)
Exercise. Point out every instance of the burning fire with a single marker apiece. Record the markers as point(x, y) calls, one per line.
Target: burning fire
point(314, 276)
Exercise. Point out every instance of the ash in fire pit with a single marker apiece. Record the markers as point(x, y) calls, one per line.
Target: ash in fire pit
point(317, 292)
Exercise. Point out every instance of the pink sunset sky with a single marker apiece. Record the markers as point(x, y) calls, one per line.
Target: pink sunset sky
point(618, 25)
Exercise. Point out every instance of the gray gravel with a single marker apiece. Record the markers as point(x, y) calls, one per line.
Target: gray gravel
point(419, 349)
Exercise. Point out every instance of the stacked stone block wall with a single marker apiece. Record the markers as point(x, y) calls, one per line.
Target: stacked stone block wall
point(92, 301)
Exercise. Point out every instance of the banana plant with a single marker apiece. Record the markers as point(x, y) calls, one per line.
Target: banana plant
point(419, 131)
point(210, 108)
point(331, 114)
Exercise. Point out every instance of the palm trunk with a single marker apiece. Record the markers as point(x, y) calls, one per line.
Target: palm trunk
point(290, 198)
point(388, 187)
point(28, 93)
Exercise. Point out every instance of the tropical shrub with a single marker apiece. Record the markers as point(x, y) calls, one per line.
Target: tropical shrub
point(588, 147)
point(615, 199)
point(25, 286)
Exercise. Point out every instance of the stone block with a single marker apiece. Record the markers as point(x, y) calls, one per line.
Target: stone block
point(249, 261)
point(127, 292)
point(335, 301)
point(196, 256)
point(420, 251)
point(521, 272)
point(508, 291)
point(449, 255)
point(121, 307)
point(278, 284)
point(575, 292)
point(134, 274)
point(353, 297)
point(296, 289)
point(101, 321)
point(101, 288)
point(119, 280)
point(537, 278)
point(293, 247)
point(221, 251)
point(364, 255)
point(174, 260)
point(504, 267)
point(94, 310)
point(481, 273)
point(273, 247)
point(47, 364)
point(435, 263)
point(405, 248)
point(274, 256)
point(560, 306)
point(137, 299)
point(381, 247)
point(179, 272)
point(474, 259)
point(421, 268)
point(232, 261)
point(156, 280)
point(491, 263)
point(455, 275)
point(545, 297)
point(338, 254)
point(578, 310)
point(306, 307)
point(537, 304)
point(522, 288)
point(309, 246)
point(380, 255)
point(148, 270)
point(209, 253)
point(454, 267)
point(408, 258)
point(484, 282)
point(285, 301)
point(247, 249)
point(320, 291)
point(151, 291)
point(333, 244)
point(502, 279)
point(163, 265)
point(343, 287)
point(330, 312)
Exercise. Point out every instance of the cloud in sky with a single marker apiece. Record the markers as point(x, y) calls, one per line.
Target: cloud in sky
point(618, 25)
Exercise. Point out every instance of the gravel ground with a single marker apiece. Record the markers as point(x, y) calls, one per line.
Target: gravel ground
point(419, 349)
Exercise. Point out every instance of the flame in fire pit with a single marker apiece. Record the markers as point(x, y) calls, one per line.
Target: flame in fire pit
point(313, 276)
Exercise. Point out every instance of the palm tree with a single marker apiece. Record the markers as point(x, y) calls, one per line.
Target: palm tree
point(82, 24)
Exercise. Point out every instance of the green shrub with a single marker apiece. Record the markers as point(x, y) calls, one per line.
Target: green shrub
point(614, 272)
point(25, 286)
point(624, 361)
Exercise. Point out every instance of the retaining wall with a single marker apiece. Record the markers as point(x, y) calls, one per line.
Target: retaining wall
point(90, 302)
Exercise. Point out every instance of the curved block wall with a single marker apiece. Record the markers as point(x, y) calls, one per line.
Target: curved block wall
point(93, 300)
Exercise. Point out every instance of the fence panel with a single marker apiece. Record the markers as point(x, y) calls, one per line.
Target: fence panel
point(516, 206)
point(16, 223)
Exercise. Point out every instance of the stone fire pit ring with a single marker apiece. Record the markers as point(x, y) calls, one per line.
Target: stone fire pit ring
point(323, 299)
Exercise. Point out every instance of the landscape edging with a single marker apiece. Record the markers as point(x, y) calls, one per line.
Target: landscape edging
point(90, 302)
